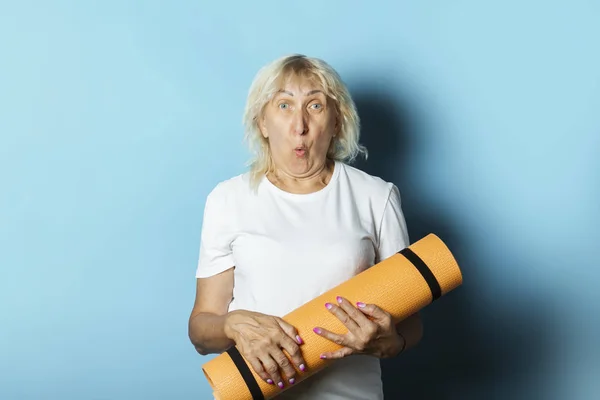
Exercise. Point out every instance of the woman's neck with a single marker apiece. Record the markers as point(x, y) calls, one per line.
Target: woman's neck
point(302, 185)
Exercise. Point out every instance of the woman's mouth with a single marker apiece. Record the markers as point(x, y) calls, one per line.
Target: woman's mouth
point(300, 151)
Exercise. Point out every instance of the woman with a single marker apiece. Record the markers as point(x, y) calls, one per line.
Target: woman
point(300, 222)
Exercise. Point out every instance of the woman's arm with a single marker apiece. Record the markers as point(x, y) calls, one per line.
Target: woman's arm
point(411, 330)
point(260, 338)
point(206, 328)
point(393, 236)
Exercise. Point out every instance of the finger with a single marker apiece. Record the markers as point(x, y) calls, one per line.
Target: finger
point(285, 365)
point(334, 337)
point(374, 311)
point(258, 368)
point(290, 330)
point(293, 349)
point(360, 318)
point(343, 317)
point(272, 369)
point(341, 353)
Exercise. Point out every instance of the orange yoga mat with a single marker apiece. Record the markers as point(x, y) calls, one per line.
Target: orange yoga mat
point(401, 284)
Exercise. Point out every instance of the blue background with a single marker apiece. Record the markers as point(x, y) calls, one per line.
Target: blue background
point(117, 118)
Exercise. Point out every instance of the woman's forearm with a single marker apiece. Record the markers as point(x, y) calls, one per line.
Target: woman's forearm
point(411, 329)
point(207, 333)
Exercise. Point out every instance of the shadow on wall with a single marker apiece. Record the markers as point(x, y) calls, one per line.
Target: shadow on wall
point(467, 351)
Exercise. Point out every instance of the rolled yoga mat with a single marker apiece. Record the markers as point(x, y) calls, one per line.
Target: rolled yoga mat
point(401, 284)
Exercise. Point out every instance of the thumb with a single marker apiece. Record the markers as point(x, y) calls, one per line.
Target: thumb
point(289, 330)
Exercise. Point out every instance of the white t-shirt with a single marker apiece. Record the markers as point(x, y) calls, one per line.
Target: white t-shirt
point(289, 248)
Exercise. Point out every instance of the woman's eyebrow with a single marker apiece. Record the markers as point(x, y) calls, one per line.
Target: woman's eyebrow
point(310, 93)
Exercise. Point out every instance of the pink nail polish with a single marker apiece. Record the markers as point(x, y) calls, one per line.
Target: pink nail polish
point(317, 331)
point(292, 381)
point(339, 299)
point(302, 367)
point(269, 381)
point(323, 357)
point(328, 306)
point(299, 339)
point(360, 304)
point(280, 384)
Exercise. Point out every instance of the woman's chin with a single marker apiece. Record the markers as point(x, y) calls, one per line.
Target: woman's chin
point(300, 166)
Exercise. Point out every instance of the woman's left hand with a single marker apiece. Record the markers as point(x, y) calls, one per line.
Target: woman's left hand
point(376, 336)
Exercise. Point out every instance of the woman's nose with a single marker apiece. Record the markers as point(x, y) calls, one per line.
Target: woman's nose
point(299, 123)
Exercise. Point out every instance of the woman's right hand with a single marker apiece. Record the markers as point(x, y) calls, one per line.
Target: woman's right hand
point(260, 339)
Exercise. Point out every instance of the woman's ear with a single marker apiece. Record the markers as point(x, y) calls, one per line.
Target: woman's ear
point(338, 124)
point(338, 120)
point(260, 122)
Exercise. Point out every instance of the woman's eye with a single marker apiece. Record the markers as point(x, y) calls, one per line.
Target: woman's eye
point(283, 106)
point(316, 106)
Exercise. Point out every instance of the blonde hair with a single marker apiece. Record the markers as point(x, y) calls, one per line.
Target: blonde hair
point(345, 145)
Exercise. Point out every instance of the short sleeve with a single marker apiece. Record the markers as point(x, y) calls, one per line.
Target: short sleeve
point(393, 233)
point(216, 237)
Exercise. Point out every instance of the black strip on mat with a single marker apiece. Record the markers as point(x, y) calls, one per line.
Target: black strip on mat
point(434, 285)
point(241, 365)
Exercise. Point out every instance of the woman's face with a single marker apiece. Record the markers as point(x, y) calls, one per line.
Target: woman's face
point(299, 123)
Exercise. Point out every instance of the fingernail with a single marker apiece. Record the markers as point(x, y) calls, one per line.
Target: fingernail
point(339, 299)
point(280, 384)
point(292, 380)
point(317, 331)
point(323, 356)
point(299, 339)
point(269, 381)
point(302, 367)
point(360, 304)
point(328, 306)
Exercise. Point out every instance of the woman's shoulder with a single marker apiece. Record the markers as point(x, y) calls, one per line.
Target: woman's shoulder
point(365, 182)
point(230, 187)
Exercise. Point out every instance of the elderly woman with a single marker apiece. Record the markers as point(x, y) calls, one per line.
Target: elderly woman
point(298, 223)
